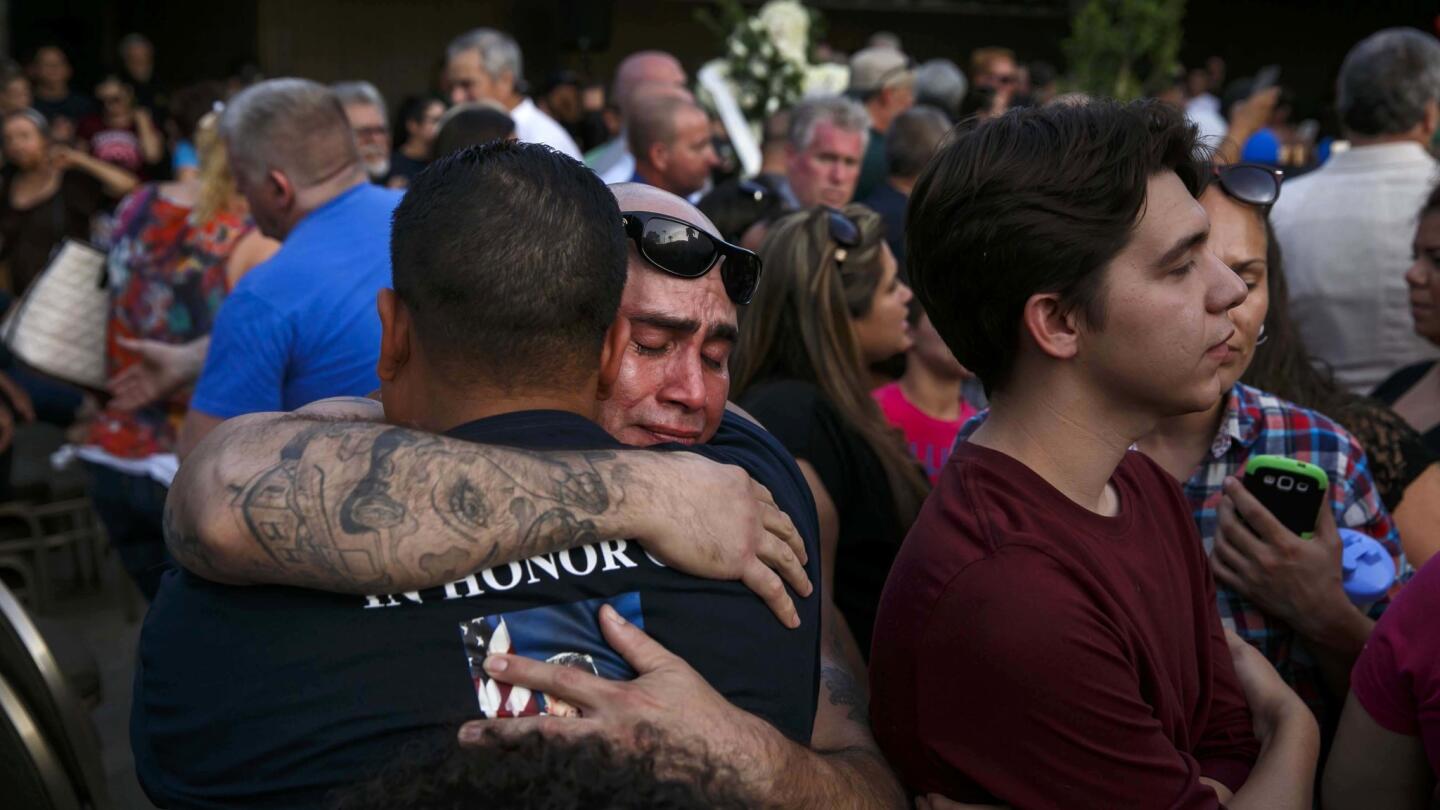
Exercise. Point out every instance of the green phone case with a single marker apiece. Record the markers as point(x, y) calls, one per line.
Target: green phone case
point(1281, 464)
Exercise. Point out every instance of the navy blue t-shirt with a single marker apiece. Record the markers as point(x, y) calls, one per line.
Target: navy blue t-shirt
point(274, 696)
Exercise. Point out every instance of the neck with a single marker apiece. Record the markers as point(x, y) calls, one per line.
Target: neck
point(936, 395)
point(1070, 436)
point(511, 100)
point(879, 119)
point(56, 91)
point(443, 407)
point(1414, 135)
point(310, 198)
point(415, 150)
point(1180, 443)
point(904, 185)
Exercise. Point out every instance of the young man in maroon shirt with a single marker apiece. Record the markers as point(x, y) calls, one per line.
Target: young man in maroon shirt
point(1048, 635)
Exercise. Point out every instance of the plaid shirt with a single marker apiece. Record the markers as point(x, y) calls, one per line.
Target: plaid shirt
point(1257, 423)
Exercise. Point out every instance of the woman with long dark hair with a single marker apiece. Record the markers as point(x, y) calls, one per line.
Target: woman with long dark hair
point(829, 304)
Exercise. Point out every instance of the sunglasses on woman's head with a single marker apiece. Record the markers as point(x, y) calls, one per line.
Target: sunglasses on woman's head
point(683, 250)
point(1250, 183)
point(843, 232)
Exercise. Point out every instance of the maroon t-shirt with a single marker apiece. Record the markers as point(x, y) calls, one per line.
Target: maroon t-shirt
point(1033, 652)
point(1397, 678)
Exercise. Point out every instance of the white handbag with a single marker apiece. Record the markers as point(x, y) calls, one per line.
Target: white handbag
point(58, 326)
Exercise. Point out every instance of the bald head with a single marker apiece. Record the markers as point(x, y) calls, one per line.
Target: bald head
point(645, 67)
point(640, 197)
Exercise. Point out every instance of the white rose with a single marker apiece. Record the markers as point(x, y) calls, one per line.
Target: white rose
point(788, 24)
point(825, 80)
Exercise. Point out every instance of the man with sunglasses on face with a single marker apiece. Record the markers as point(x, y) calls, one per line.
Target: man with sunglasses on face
point(679, 305)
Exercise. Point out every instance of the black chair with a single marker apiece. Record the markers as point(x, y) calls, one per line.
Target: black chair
point(29, 667)
point(30, 770)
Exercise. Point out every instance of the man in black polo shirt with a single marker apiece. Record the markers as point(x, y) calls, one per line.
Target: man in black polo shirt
point(509, 266)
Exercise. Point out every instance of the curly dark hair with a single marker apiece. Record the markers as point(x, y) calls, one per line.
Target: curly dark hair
point(550, 773)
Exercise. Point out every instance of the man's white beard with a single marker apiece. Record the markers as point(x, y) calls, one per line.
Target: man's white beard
point(377, 168)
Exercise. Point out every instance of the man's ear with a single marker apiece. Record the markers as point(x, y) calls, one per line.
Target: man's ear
point(612, 356)
point(395, 335)
point(659, 155)
point(1432, 118)
point(1054, 329)
point(281, 189)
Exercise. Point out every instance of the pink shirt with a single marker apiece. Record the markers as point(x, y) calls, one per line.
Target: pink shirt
point(930, 439)
point(1397, 678)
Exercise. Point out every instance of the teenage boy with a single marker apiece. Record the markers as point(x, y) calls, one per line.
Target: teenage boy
point(1048, 636)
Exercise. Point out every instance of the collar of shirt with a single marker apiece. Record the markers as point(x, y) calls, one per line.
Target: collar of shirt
point(1379, 155)
point(1242, 421)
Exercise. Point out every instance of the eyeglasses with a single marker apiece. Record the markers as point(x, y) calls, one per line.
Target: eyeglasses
point(683, 250)
point(843, 232)
point(1250, 183)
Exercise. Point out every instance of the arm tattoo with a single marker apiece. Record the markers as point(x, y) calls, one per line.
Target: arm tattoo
point(364, 508)
point(845, 691)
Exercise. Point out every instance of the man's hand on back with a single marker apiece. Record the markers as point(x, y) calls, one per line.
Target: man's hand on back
point(713, 520)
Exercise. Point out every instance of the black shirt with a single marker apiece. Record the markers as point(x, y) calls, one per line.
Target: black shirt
point(402, 165)
point(870, 534)
point(29, 236)
point(274, 696)
point(73, 106)
point(1402, 381)
point(889, 203)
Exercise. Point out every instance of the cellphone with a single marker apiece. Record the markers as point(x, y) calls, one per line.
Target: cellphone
point(1265, 79)
point(1292, 490)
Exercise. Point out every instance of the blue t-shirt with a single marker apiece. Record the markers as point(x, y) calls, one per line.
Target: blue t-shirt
point(273, 696)
point(302, 326)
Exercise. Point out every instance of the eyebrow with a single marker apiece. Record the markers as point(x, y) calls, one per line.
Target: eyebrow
point(1185, 245)
point(688, 326)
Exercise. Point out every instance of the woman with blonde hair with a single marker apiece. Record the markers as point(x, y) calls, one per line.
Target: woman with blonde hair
point(829, 304)
point(179, 248)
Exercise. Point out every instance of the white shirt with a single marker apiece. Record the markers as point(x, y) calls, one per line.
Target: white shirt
point(1346, 231)
point(612, 161)
point(534, 126)
point(1204, 112)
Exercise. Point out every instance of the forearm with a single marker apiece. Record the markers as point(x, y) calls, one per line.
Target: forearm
point(114, 180)
point(1336, 641)
point(1284, 774)
point(845, 768)
point(152, 147)
point(366, 507)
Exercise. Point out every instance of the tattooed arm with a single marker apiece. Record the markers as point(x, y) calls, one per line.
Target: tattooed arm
point(353, 506)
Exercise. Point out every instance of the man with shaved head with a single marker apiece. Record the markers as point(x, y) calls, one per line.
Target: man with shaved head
point(641, 75)
point(670, 140)
point(671, 387)
point(302, 325)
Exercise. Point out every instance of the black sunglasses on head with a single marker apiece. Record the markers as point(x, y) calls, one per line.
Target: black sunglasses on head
point(843, 232)
point(1250, 183)
point(683, 250)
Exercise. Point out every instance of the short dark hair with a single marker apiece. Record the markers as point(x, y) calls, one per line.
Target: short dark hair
point(553, 772)
point(735, 206)
point(471, 125)
point(511, 257)
point(913, 138)
point(1037, 200)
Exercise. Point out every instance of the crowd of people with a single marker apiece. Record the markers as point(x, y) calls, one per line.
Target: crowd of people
point(530, 452)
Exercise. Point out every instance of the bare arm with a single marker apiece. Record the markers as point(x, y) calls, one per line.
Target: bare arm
point(1371, 766)
point(115, 181)
point(1284, 774)
point(152, 147)
point(365, 507)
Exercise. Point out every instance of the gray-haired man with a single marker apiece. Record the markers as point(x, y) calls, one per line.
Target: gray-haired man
point(1346, 228)
point(365, 109)
point(485, 65)
point(827, 141)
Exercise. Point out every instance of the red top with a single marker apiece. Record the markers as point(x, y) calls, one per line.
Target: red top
point(1397, 678)
point(1030, 651)
point(930, 439)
